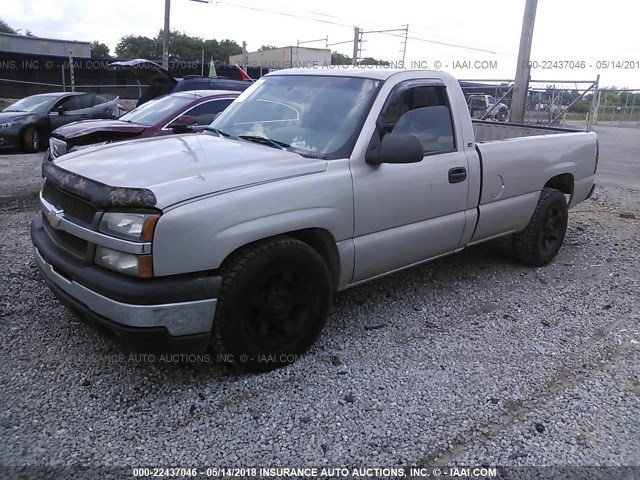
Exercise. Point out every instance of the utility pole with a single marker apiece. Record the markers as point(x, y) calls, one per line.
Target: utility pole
point(71, 72)
point(523, 69)
point(595, 101)
point(406, 38)
point(165, 35)
point(244, 56)
point(356, 45)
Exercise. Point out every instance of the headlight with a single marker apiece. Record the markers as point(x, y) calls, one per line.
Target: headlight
point(82, 147)
point(127, 263)
point(130, 226)
point(6, 125)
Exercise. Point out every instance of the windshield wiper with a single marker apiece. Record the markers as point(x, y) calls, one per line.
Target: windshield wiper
point(265, 141)
point(219, 132)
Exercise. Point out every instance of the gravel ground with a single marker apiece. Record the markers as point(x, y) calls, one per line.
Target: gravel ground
point(20, 176)
point(472, 359)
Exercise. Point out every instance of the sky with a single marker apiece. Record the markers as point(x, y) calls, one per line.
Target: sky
point(573, 40)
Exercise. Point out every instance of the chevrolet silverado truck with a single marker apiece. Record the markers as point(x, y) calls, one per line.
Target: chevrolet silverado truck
point(310, 182)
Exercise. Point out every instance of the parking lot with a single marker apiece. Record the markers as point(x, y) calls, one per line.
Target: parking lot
point(472, 359)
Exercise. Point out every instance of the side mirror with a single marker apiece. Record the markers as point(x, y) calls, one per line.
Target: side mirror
point(60, 110)
point(183, 122)
point(396, 148)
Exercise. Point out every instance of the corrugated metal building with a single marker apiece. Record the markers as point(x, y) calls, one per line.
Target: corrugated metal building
point(286, 57)
point(10, 42)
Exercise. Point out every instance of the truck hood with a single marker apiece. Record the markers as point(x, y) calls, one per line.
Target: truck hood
point(85, 127)
point(181, 167)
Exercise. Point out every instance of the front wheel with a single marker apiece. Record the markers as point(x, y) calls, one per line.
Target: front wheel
point(31, 140)
point(273, 304)
point(540, 242)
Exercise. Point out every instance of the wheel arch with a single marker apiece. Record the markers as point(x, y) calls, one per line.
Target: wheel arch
point(319, 239)
point(563, 182)
point(41, 131)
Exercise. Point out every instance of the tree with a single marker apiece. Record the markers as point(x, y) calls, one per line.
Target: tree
point(340, 59)
point(373, 61)
point(5, 28)
point(227, 48)
point(181, 47)
point(99, 50)
point(137, 46)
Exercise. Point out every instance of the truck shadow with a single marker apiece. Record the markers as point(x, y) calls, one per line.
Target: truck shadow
point(469, 265)
point(476, 264)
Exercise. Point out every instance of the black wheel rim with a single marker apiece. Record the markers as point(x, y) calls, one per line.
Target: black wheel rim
point(552, 230)
point(279, 310)
point(35, 140)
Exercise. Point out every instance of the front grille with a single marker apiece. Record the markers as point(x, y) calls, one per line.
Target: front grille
point(66, 242)
point(72, 206)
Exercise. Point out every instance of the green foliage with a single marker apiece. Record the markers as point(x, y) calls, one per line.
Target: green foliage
point(340, 59)
point(181, 47)
point(5, 28)
point(137, 46)
point(581, 106)
point(373, 61)
point(99, 50)
point(611, 98)
point(221, 50)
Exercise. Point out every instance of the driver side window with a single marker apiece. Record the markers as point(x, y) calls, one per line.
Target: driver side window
point(71, 103)
point(424, 112)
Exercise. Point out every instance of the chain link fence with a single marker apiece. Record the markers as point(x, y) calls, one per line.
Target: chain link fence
point(549, 102)
point(618, 108)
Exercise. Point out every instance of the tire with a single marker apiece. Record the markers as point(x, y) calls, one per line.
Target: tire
point(540, 242)
point(273, 304)
point(31, 140)
point(502, 116)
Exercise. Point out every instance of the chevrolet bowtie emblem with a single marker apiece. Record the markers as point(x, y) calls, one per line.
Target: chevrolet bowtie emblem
point(53, 217)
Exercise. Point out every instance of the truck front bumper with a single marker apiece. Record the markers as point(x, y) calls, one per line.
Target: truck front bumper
point(172, 314)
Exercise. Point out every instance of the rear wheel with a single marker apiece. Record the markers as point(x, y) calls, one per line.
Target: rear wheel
point(31, 140)
point(273, 304)
point(540, 242)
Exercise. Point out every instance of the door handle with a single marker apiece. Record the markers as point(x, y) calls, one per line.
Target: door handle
point(457, 175)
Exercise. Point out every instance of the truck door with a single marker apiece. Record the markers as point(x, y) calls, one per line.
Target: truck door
point(409, 213)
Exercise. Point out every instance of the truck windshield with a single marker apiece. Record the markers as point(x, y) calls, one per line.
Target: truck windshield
point(315, 115)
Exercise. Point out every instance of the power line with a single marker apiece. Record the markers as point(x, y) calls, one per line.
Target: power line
point(477, 49)
point(282, 13)
point(340, 24)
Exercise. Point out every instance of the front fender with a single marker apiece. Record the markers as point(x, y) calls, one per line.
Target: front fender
point(199, 236)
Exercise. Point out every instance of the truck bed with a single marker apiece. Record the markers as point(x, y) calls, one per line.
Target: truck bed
point(486, 131)
point(517, 161)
